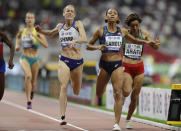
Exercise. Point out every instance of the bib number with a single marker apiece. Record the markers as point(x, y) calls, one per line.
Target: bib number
point(113, 43)
point(133, 50)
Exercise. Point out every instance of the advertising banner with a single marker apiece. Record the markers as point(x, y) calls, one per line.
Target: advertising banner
point(154, 102)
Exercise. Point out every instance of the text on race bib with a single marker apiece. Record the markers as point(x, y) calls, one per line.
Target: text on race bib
point(113, 42)
point(27, 41)
point(133, 50)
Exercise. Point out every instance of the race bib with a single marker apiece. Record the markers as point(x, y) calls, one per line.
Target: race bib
point(133, 50)
point(65, 39)
point(113, 43)
point(27, 41)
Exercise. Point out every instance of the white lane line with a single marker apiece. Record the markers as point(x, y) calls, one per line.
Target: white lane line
point(40, 114)
point(152, 123)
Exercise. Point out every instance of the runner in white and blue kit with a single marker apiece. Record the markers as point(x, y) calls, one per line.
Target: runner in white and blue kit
point(71, 36)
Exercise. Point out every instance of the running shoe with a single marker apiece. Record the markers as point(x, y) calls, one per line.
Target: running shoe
point(128, 124)
point(116, 127)
point(29, 106)
point(62, 121)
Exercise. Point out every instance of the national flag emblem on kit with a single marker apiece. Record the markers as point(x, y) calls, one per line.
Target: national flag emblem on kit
point(1, 47)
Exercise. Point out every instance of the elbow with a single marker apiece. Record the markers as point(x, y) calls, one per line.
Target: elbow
point(46, 46)
point(12, 46)
point(87, 47)
point(156, 48)
point(84, 40)
point(17, 49)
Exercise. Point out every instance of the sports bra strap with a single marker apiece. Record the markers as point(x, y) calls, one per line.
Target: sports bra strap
point(118, 29)
point(62, 26)
point(73, 24)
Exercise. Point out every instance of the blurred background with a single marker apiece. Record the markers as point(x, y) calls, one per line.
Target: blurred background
point(161, 17)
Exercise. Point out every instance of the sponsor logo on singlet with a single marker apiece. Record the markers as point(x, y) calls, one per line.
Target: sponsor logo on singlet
point(133, 50)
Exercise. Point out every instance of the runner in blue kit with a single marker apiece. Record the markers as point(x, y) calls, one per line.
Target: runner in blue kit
point(133, 62)
point(4, 40)
point(30, 39)
point(110, 37)
point(71, 36)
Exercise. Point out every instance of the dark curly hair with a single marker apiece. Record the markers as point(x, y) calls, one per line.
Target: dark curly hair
point(131, 18)
point(118, 21)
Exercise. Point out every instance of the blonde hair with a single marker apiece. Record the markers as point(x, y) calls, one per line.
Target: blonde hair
point(67, 6)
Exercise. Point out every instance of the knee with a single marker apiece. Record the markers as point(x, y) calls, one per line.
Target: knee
point(127, 90)
point(126, 93)
point(63, 88)
point(76, 88)
point(117, 95)
point(28, 77)
point(33, 83)
point(76, 91)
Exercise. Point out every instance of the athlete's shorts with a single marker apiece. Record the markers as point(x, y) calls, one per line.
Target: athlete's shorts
point(134, 69)
point(2, 66)
point(109, 67)
point(72, 63)
point(30, 60)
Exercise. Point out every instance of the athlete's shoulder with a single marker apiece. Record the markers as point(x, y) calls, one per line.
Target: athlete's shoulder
point(144, 31)
point(78, 21)
point(59, 25)
point(124, 31)
point(100, 30)
point(78, 24)
point(19, 34)
point(22, 30)
point(2, 34)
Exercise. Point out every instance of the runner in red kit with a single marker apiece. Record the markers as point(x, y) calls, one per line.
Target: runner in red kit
point(133, 62)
